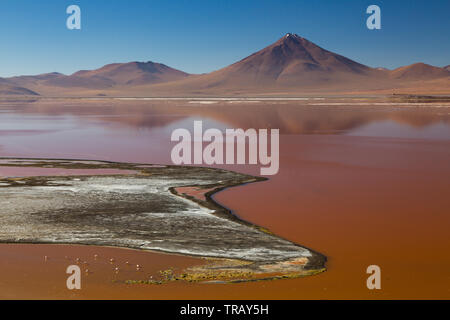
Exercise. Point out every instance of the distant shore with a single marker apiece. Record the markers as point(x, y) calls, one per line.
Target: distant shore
point(405, 96)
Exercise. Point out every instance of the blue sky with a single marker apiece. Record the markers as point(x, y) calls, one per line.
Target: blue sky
point(204, 35)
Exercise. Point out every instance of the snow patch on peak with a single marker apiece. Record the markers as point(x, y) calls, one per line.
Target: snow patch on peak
point(293, 35)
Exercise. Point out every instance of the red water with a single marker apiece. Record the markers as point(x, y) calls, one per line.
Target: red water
point(361, 185)
point(34, 171)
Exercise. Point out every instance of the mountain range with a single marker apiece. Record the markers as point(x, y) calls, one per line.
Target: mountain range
point(291, 66)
